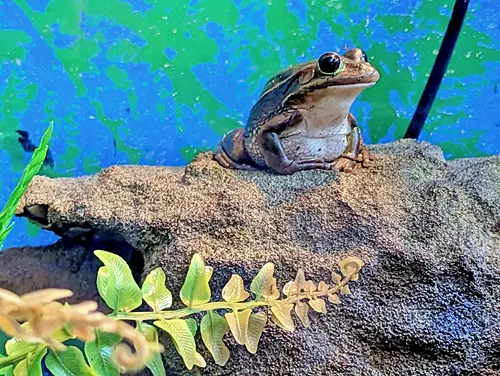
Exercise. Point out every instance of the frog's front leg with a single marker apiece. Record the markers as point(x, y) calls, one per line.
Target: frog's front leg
point(356, 150)
point(271, 149)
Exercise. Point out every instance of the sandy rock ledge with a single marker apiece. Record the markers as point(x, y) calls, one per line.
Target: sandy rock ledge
point(428, 298)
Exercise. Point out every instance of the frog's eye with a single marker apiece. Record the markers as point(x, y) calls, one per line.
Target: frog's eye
point(364, 57)
point(329, 63)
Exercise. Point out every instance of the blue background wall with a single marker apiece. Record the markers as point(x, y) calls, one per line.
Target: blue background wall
point(153, 82)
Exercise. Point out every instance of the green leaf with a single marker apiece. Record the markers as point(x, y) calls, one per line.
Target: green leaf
point(264, 284)
point(99, 352)
point(192, 325)
point(213, 327)
point(154, 291)
point(7, 370)
point(121, 293)
point(195, 289)
point(4, 232)
point(183, 340)
point(31, 365)
point(256, 325)
point(68, 363)
point(102, 281)
point(29, 172)
point(155, 363)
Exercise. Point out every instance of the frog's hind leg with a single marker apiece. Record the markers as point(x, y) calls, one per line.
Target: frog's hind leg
point(356, 150)
point(231, 153)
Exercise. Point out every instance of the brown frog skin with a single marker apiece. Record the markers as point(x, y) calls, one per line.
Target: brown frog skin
point(301, 120)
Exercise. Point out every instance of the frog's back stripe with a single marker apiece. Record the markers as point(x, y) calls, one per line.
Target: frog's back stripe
point(271, 100)
point(281, 78)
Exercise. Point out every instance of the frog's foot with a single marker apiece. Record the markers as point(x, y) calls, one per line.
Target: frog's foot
point(347, 163)
point(344, 164)
point(225, 161)
point(276, 159)
point(231, 152)
point(294, 167)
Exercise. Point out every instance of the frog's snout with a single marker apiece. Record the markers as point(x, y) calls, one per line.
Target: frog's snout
point(374, 76)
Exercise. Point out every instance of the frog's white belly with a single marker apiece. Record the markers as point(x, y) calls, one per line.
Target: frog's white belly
point(322, 133)
point(304, 142)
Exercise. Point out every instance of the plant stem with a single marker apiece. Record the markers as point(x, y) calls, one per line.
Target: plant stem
point(183, 312)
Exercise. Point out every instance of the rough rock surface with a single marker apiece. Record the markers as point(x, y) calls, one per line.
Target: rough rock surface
point(59, 265)
point(428, 298)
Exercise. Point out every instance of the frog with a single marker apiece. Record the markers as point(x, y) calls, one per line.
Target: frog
point(302, 119)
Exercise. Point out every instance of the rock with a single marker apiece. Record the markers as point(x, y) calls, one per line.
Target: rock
point(68, 263)
point(427, 301)
point(60, 265)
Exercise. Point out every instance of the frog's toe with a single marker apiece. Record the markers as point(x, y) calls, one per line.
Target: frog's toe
point(302, 166)
point(223, 159)
point(344, 164)
point(365, 157)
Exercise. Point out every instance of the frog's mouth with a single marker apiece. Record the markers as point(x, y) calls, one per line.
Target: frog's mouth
point(342, 86)
point(360, 82)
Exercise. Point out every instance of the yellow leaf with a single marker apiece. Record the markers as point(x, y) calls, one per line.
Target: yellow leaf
point(256, 325)
point(302, 311)
point(282, 317)
point(262, 284)
point(300, 279)
point(234, 291)
point(302, 284)
point(9, 326)
point(333, 298)
point(290, 289)
point(275, 293)
point(183, 339)
point(351, 265)
point(318, 305)
point(238, 323)
point(209, 270)
point(322, 286)
point(345, 290)
point(45, 296)
point(336, 278)
point(213, 327)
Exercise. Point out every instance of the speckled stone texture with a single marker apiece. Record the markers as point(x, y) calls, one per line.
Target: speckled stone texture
point(428, 298)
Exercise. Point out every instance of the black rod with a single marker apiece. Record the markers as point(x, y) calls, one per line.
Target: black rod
point(438, 69)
